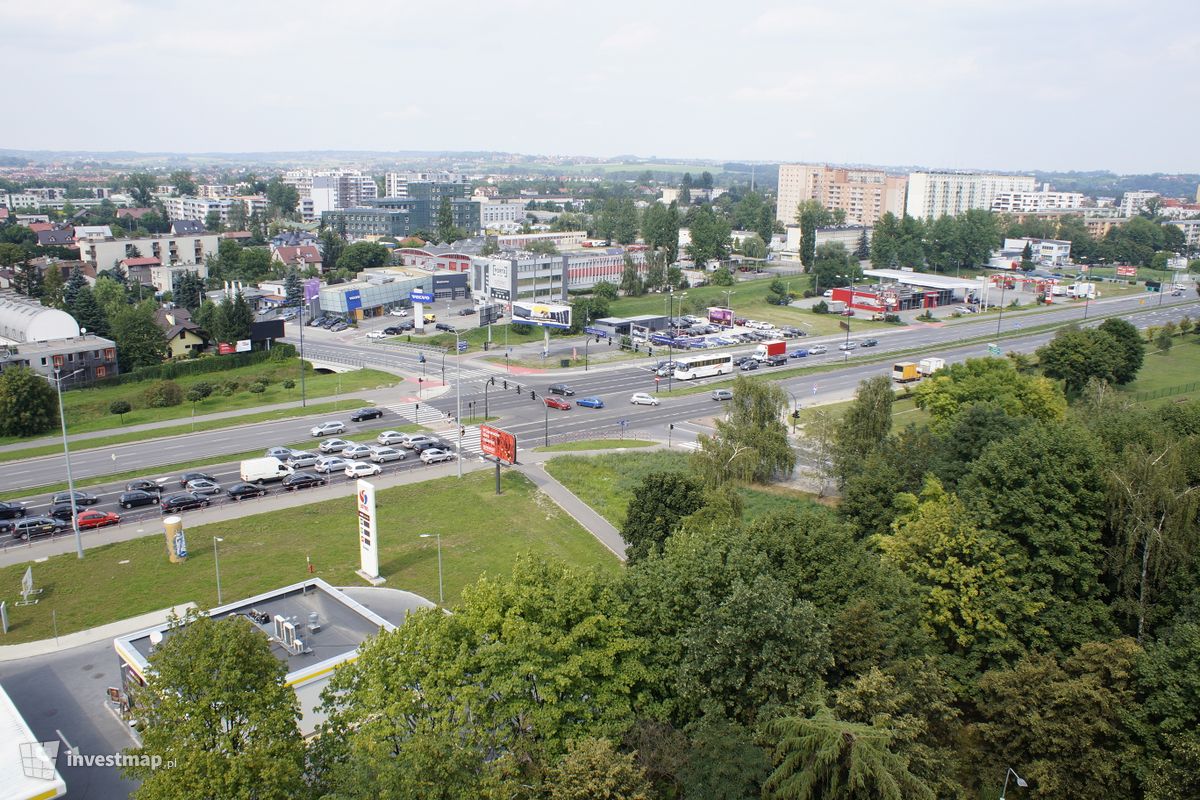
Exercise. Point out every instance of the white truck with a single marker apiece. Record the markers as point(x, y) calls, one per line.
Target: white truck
point(928, 366)
point(261, 470)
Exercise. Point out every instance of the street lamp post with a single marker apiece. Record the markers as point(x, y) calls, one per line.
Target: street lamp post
point(441, 593)
point(62, 418)
point(458, 399)
point(303, 396)
point(217, 564)
point(1012, 774)
point(1003, 287)
point(546, 429)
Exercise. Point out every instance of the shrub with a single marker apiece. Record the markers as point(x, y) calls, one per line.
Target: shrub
point(229, 387)
point(120, 408)
point(289, 384)
point(520, 328)
point(202, 388)
point(163, 394)
point(193, 396)
point(820, 307)
point(258, 388)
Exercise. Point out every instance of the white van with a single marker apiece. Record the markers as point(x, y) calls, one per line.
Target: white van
point(261, 470)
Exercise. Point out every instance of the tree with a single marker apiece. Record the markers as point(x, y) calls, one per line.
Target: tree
point(605, 289)
point(445, 221)
point(592, 769)
point(659, 502)
point(52, 287)
point(631, 282)
point(184, 183)
point(751, 442)
point(1129, 346)
point(831, 266)
point(721, 276)
point(282, 197)
point(12, 254)
point(754, 247)
point(1078, 355)
point(120, 408)
point(140, 342)
point(824, 758)
point(625, 221)
point(863, 251)
point(1027, 264)
point(709, 237)
point(162, 394)
point(88, 313)
point(864, 427)
point(28, 405)
point(216, 707)
point(542, 247)
point(656, 274)
point(992, 380)
point(212, 221)
point(810, 214)
point(293, 287)
point(363, 255)
point(189, 291)
point(254, 264)
point(235, 316)
point(111, 295)
point(27, 279)
point(237, 216)
point(141, 186)
point(75, 282)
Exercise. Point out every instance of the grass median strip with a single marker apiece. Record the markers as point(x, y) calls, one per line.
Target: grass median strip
point(481, 533)
point(594, 444)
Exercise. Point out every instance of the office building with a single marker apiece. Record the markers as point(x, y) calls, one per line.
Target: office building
point(937, 194)
point(399, 217)
point(500, 212)
point(332, 189)
point(864, 195)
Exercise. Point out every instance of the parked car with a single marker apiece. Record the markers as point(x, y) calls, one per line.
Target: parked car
point(204, 487)
point(417, 441)
point(817, 349)
point(282, 453)
point(315, 322)
point(192, 476)
point(334, 445)
point(376, 335)
point(466, 312)
point(356, 451)
point(144, 486)
point(330, 464)
point(391, 437)
point(850, 345)
point(240, 491)
point(869, 343)
point(445, 326)
point(183, 501)
point(407, 325)
point(11, 510)
point(561, 388)
point(748, 365)
point(382, 455)
point(849, 312)
point(557, 402)
point(94, 518)
point(301, 458)
point(721, 394)
point(28, 527)
point(590, 402)
point(393, 330)
point(828, 293)
point(328, 428)
point(339, 326)
point(302, 480)
point(399, 312)
point(643, 399)
point(800, 352)
point(137, 497)
point(60, 511)
point(364, 414)
point(433, 455)
point(81, 498)
point(361, 469)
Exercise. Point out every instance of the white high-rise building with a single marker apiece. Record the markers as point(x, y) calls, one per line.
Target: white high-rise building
point(395, 184)
point(1133, 203)
point(344, 188)
point(936, 194)
point(1033, 202)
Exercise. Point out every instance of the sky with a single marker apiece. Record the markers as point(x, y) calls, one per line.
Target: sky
point(987, 84)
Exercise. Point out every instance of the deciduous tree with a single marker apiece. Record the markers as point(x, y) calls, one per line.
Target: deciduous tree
point(751, 442)
point(28, 405)
point(140, 342)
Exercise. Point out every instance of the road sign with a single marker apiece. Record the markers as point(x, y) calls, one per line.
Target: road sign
point(462, 346)
point(420, 297)
point(595, 331)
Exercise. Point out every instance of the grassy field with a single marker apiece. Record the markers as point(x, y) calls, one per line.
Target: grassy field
point(480, 533)
point(308, 444)
point(594, 444)
point(1171, 376)
point(87, 409)
point(475, 337)
point(606, 482)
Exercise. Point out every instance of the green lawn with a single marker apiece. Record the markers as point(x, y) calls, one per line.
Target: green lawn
point(1168, 377)
point(606, 482)
point(481, 533)
point(595, 444)
point(477, 336)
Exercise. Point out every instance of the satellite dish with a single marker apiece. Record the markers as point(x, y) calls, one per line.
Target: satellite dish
point(156, 638)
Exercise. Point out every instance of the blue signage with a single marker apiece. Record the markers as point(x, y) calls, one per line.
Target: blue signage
point(353, 300)
point(462, 346)
point(420, 297)
point(596, 331)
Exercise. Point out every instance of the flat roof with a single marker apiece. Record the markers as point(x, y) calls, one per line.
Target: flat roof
point(27, 770)
point(922, 279)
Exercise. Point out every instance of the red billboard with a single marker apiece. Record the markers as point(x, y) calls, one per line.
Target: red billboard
point(1127, 272)
point(225, 349)
point(497, 443)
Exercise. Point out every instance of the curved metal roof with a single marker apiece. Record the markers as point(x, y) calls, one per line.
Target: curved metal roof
point(22, 321)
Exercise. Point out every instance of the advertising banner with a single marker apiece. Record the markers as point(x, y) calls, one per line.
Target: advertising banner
point(353, 300)
point(497, 443)
point(243, 346)
point(547, 315)
point(225, 348)
point(721, 316)
point(1127, 272)
point(176, 539)
point(368, 535)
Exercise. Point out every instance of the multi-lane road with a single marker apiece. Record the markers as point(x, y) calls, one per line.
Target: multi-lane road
point(531, 420)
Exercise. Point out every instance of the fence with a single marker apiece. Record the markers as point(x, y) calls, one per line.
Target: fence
point(1167, 391)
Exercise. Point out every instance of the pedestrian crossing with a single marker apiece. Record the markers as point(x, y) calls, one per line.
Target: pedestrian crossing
point(693, 446)
point(420, 413)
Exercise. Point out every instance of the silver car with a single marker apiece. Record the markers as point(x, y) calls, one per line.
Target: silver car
point(328, 429)
point(382, 455)
point(334, 445)
point(300, 459)
point(392, 437)
point(328, 464)
point(356, 451)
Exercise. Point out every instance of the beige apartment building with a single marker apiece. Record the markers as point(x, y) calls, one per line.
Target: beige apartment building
point(864, 194)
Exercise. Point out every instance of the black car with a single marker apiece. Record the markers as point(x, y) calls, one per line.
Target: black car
point(81, 498)
point(240, 491)
point(61, 511)
point(445, 326)
point(301, 480)
point(183, 501)
point(869, 343)
point(748, 365)
point(11, 510)
point(393, 330)
point(195, 476)
point(407, 325)
point(420, 446)
point(561, 388)
point(777, 360)
point(137, 498)
point(144, 486)
point(29, 527)
point(466, 312)
point(366, 413)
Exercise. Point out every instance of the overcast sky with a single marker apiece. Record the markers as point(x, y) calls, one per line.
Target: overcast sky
point(995, 84)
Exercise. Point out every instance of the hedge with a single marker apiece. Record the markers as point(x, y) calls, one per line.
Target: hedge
point(179, 369)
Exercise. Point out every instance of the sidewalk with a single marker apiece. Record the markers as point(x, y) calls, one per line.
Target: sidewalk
point(534, 469)
point(16, 652)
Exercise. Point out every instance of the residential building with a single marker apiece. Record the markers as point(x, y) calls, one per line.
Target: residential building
point(1098, 227)
point(61, 237)
point(1043, 252)
point(300, 256)
point(163, 278)
point(1191, 232)
point(44, 339)
point(864, 195)
point(187, 227)
point(847, 236)
point(399, 217)
point(499, 212)
point(1034, 202)
point(560, 239)
point(183, 336)
point(1134, 203)
point(138, 269)
point(198, 208)
point(169, 249)
point(335, 189)
point(395, 184)
point(936, 194)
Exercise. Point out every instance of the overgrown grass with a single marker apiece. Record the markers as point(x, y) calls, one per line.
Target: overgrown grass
point(1164, 371)
point(595, 444)
point(481, 533)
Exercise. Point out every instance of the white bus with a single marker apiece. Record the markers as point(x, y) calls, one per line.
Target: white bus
point(688, 367)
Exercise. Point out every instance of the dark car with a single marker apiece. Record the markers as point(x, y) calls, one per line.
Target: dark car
point(557, 402)
point(81, 498)
point(144, 486)
point(777, 360)
point(240, 491)
point(183, 501)
point(11, 510)
point(869, 343)
point(445, 326)
point(748, 365)
point(29, 527)
point(60, 511)
point(407, 325)
point(137, 498)
point(195, 476)
point(421, 445)
point(466, 312)
point(301, 480)
point(393, 330)
point(366, 413)
point(561, 388)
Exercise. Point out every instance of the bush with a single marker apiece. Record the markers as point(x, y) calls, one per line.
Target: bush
point(520, 328)
point(163, 395)
point(820, 307)
point(202, 388)
point(120, 408)
point(892, 318)
point(258, 387)
point(229, 387)
point(193, 396)
point(289, 384)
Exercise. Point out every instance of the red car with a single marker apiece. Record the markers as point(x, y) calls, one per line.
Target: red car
point(557, 402)
point(97, 519)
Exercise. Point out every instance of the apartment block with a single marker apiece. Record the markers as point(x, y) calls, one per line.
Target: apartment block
point(1034, 202)
point(395, 184)
point(332, 189)
point(170, 250)
point(864, 195)
point(936, 194)
point(1134, 203)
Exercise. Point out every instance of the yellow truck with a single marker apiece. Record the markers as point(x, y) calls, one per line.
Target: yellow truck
point(429, 319)
point(905, 372)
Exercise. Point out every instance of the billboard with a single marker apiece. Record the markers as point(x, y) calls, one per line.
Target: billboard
point(489, 314)
point(312, 289)
point(1127, 272)
point(243, 346)
point(368, 535)
point(420, 297)
point(497, 443)
point(721, 316)
point(548, 315)
point(225, 348)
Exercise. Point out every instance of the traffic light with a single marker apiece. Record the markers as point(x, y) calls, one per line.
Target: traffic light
point(532, 394)
point(492, 381)
point(597, 340)
point(796, 414)
point(418, 408)
point(518, 388)
point(672, 426)
point(506, 384)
